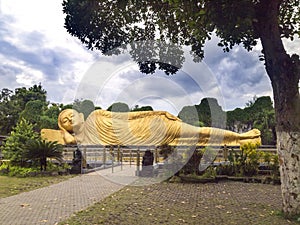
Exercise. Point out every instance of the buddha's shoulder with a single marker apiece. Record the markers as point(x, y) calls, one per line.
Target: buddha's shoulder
point(101, 112)
point(133, 115)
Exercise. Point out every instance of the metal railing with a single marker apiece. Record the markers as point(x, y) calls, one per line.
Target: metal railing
point(99, 155)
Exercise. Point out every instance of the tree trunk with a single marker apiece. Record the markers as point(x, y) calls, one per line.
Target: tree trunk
point(43, 163)
point(289, 153)
point(283, 71)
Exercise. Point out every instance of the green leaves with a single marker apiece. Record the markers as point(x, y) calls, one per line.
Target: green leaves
point(207, 113)
point(142, 108)
point(259, 114)
point(33, 111)
point(13, 148)
point(119, 107)
point(38, 149)
point(12, 105)
point(105, 25)
point(85, 107)
point(25, 144)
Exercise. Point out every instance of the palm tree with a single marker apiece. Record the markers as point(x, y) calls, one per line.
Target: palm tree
point(38, 149)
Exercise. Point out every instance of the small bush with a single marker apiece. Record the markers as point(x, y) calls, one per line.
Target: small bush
point(17, 171)
point(210, 172)
point(226, 169)
point(242, 163)
point(165, 151)
point(192, 165)
point(21, 171)
point(274, 166)
point(4, 167)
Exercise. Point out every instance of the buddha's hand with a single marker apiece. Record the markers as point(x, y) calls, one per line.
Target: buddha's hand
point(69, 138)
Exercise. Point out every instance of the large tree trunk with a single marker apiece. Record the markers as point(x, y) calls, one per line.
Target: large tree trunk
point(289, 153)
point(283, 71)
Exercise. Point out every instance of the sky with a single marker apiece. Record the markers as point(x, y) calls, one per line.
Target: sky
point(36, 48)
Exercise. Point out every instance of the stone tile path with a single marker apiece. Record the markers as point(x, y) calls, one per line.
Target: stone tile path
point(57, 202)
point(215, 203)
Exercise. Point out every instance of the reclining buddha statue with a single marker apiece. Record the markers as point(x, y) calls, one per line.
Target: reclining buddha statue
point(139, 128)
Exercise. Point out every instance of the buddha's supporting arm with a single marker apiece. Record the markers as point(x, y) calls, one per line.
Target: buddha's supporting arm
point(69, 138)
point(62, 137)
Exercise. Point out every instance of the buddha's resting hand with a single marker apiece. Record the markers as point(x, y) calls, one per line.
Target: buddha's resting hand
point(62, 137)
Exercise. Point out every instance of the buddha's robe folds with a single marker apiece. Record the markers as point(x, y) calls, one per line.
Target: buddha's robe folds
point(153, 128)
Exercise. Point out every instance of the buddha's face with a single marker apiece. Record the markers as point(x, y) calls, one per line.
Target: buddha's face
point(70, 119)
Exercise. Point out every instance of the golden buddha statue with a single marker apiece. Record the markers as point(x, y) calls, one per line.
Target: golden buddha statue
point(139, 128)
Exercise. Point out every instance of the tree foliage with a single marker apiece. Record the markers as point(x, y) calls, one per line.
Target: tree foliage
point(208, 113)
point(142, 108)
point(181, 22)
point(37, 149)
point(105, 25)
point(49, 117)
point(192, 23)
point(8, 111)
point(13, 148)
point(24, 95)
point(85, 107)
point(258, 113)
point(189, 114)
point(32, 112)
point(118, 107)
point(12, 104)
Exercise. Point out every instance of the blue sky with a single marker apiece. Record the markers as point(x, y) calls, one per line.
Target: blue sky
point(36, 48)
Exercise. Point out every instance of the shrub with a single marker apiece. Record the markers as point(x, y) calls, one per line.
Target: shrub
point(40, 150)
point(226, 169)
point(13, 148)
point(192, 165)
point(21, 171)
point(165, 151)
point(210, 172)
point(4, 167)
point(250, 166)
point(274, 166)
point(242, 163)
point(267, 157)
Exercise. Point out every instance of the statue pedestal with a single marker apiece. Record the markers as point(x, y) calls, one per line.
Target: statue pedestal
point(75, 169)
point(147, 171)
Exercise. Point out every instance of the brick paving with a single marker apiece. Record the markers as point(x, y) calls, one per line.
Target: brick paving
point(57, 202)
point(225, 203)
point(211, 203)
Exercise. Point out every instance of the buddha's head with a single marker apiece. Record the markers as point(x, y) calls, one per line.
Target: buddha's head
point(70, 120)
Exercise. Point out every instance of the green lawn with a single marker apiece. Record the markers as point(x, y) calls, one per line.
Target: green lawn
point(14, 185)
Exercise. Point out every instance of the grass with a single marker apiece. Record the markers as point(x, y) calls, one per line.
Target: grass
point(176, 203)
point(13, 185)
point(171, 203)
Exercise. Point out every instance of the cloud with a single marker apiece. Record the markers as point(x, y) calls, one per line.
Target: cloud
point(240, 74)
point(105, 83)
point(292, 47)
point(35, 47)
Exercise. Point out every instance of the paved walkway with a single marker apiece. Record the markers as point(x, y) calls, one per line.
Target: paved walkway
point(55, 203)
point(214, 203)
